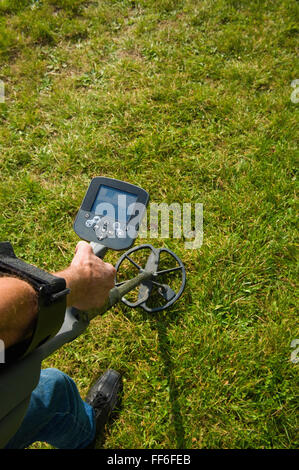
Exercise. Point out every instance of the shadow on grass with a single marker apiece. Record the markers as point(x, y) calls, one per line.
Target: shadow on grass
point(162, 323)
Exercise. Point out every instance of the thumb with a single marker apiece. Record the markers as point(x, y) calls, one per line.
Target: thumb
point(83, 247)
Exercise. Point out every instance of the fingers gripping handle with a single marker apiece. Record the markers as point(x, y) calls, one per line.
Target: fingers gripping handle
point(98, 249)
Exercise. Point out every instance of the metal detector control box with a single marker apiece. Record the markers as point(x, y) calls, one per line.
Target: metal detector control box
point(111, 213)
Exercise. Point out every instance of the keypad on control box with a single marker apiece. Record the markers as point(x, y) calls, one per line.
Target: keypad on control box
point(106, 228)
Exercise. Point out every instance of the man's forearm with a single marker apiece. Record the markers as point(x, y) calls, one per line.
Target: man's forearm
point(72, 281)
point(19, 307)
point(18, 310)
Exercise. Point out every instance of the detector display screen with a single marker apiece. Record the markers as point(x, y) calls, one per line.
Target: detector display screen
point(111, 213)
point(114, 203)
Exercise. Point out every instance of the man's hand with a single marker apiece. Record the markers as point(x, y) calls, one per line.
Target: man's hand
point(89, 278)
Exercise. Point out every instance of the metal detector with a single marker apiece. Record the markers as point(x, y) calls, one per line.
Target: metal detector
point(149, 278)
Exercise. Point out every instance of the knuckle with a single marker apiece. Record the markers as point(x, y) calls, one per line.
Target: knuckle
point(113, 270)
point(110, 268)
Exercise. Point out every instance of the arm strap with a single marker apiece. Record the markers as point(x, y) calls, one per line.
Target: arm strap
point(51, 291)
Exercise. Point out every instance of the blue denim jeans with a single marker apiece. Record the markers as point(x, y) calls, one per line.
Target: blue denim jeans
point(56, 415)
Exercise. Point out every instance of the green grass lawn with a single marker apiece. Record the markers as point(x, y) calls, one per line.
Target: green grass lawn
point(192, 101)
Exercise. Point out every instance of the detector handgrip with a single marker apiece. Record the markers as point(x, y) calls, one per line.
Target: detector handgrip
point(99, 250)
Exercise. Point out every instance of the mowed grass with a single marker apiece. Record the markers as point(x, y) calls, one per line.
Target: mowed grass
point(192, 101)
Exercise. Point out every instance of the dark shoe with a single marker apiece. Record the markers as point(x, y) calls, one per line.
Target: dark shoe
point(103, 397)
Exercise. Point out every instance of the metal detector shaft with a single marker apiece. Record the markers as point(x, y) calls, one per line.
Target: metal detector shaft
point(76, 321)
